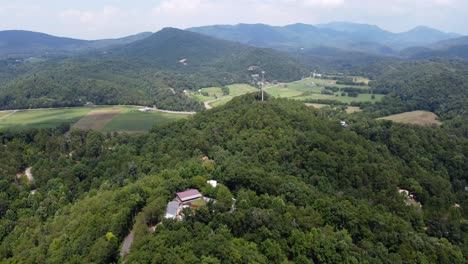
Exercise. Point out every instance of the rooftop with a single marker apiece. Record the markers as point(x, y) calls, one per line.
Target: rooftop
point(189, 195)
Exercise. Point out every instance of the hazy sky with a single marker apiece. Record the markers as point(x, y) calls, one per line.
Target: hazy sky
point(93, 19)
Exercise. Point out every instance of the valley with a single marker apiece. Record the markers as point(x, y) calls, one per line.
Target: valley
point(160, 148)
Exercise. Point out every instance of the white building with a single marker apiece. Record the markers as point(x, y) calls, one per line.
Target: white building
point(213, 183)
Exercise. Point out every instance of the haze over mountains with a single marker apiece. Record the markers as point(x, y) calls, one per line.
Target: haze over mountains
point(343, 35)
point(339, 35)
point(27, 43)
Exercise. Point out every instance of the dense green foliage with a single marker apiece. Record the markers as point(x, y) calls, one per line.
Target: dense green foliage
point(437, 86)
point(307, 190)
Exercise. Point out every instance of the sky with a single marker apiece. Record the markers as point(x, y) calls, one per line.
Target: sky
point(98, 19)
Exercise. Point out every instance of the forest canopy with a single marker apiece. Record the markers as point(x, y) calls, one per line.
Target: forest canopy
point(306, 189)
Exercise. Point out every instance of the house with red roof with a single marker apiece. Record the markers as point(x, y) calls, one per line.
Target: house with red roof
point(189, 195)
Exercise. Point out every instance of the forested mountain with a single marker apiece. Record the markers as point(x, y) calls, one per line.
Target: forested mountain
point(152, 71)
point(306, 190)
point(19, 43)
point(453, 52)
point(349, 36)
point(456, 48)
point(451, 43)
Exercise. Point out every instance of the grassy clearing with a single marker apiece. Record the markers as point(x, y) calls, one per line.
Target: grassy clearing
point(199, 202)
point(353, 109)
point(3, 114)
point(318, 106)
point(108, 119)
point(311, 89)
point(97, 119)
point(283, 91)
point(221, 102)
point(43, 118)
point(343, 99)
point(423, 118)
point(131, 120)
point(217, 93)
point(237, 89)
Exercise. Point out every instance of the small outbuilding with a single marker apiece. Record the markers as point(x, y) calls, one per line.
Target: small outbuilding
point(212, 183)
point(172, 209)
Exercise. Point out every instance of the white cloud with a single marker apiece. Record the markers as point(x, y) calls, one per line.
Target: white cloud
point(323, 3)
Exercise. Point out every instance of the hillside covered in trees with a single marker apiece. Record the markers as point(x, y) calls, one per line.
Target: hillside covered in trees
point(153, 71)
point(306, 189)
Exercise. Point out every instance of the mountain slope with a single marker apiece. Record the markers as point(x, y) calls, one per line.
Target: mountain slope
point(19, 43)
point(351, 36)
point(451, 42)
point(181, 50)
point(424, 35)
point(152, 71)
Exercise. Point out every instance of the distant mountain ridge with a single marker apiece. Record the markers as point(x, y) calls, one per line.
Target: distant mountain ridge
point(343, 35)
point(456, 48)
point(27, 43)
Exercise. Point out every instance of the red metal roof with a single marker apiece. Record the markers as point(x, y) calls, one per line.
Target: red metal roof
point(189, 194)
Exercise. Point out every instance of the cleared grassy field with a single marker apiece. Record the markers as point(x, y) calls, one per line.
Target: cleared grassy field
point(353, 109)
point(43, 118)
point(311, 89)
point(216, 92)
point(221, 102)
point(423, 118)
point(343, 99)
point(2, 114)
point(133, 121)
point(107, 119)
point(237, 89)
point(318, 106)
point(97, 119)
point(283, 91)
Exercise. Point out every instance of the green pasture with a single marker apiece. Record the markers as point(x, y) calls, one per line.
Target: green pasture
point(129, 120)
point(133, 121)
point(43, 118)
point(2, 114)
point(216, 92)
point(311, 89)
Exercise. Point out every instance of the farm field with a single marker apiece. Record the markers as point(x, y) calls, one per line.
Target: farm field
point(97, 119)
point(3, 114)
point(43, 118)
point(311, 89)
point(133, 121)
point(341, 99)
point(106, 119)
point(216, 92)
point(424, 118)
